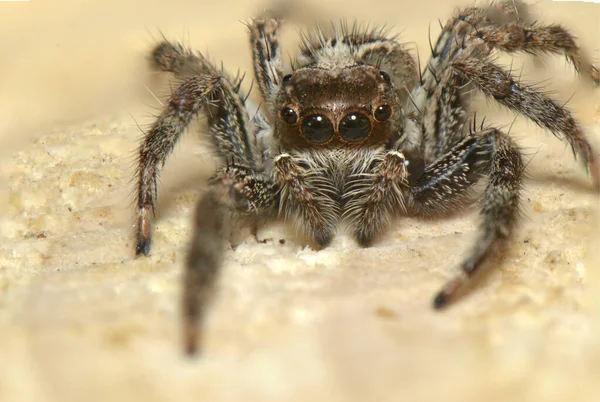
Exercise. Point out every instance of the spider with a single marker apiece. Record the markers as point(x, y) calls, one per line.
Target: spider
point(357, 132)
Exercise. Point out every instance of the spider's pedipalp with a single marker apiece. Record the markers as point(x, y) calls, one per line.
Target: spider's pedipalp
point(307, 197)
point(375, 195)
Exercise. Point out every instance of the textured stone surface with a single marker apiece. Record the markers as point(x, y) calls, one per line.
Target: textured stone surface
point(81, 319)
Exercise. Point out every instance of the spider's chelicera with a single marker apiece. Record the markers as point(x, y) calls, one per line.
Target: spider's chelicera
point(356, 133)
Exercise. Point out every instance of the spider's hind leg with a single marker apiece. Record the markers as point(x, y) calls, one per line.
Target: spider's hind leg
point(508, 32)
point(529, 101)
point(540, 39)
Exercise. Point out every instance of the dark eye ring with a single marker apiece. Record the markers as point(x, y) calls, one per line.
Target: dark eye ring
point(286, 79)
point(289, 115)
point(382, 113)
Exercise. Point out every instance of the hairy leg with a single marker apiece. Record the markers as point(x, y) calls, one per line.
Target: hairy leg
point(266, 55)
point(527, 100)
point(375, 194)
point(473, 34)
point(391, 56)
point(175, 58)
point(499, 212)
point(447, 181)
point(202, 267)
point(506, 31)
point(460, 60)
point(203, 89)
point(235, 193)
point(307, 197)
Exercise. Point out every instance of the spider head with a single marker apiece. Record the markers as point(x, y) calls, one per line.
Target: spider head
point(337, 107)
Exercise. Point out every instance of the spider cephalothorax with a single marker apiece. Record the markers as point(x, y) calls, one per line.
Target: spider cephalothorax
point(357, 134)
point(337, 107)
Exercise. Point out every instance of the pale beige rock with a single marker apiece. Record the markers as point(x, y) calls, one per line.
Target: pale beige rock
point(82, 320)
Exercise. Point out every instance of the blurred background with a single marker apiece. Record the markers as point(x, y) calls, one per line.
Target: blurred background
point(65, 61)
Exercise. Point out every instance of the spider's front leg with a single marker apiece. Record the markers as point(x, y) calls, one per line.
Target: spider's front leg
point(448, 180)
point(235, 193)
point(203, 89)
point(158, 143)
point(374, 195)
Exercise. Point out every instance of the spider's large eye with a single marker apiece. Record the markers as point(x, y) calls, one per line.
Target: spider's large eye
point(317, 128)
point(355, 127)
point(287, 79)
point(382, 113)
point(289, 116)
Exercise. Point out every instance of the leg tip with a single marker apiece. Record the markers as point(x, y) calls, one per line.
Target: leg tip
point(593, 170)
point(191, 350)
point(191, 343)
point(165, 57)
point(364, 239)
point(322, 239)
point(440, 301)
point(142, 247)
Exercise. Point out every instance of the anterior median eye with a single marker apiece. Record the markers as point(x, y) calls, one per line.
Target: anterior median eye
point(317, 128)
point(355, 127)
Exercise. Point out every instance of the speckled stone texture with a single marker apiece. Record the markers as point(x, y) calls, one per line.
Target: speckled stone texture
point(82, 320)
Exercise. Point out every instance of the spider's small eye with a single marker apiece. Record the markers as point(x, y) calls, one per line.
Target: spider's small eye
point(386, 77)
point(317, 128)
point(289, 116)
point(382, 113)
point(286, 79)
point(355, 127)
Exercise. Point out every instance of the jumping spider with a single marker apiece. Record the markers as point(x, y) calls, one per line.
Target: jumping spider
point(356, 133)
